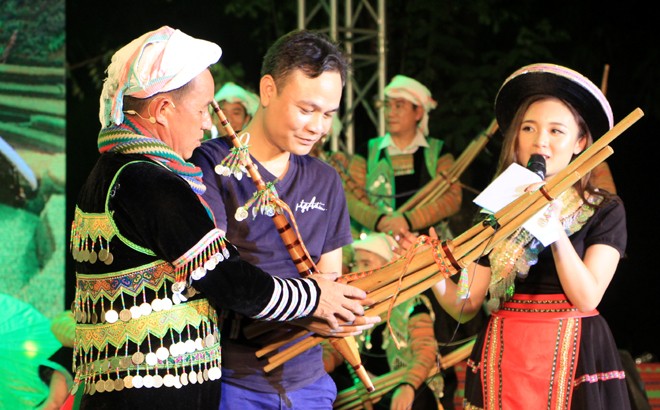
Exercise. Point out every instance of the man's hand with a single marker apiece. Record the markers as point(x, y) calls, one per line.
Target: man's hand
point(393, 224)
point(403, 397)
point(339, 301)
point(345, 329)
point(407, 239)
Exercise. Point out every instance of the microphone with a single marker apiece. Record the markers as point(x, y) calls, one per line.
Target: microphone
point(536, 164)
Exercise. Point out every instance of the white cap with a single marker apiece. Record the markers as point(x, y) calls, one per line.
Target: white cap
point(379, 243)
point(158, 61)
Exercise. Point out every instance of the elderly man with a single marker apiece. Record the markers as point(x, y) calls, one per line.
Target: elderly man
point(151, 266)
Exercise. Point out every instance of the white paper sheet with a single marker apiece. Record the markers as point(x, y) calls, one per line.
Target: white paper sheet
point(509, 186)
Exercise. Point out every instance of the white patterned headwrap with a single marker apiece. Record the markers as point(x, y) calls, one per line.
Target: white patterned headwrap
point(415, 92)
point(158, 61)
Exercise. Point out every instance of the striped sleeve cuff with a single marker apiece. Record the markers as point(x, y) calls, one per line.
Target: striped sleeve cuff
point(292, 298)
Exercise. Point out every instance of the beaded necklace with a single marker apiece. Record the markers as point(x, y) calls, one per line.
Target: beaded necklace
point(514, 256)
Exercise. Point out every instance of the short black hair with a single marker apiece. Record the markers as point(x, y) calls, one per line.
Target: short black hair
point(312, 52)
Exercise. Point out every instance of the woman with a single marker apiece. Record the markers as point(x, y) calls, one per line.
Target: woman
point(545, 345)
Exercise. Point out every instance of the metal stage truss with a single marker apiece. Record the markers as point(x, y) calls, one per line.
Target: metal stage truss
point(359, 25)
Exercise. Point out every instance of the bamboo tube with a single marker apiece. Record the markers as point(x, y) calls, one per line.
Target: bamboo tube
point(603, 82)
point(379, 295)
point(354, 397)
point(481, 238)
point(392, 270)
point(441, 183)
point(351, 349)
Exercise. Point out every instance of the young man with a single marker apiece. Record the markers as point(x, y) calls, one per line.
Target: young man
point(151, 266)
point(303, 74)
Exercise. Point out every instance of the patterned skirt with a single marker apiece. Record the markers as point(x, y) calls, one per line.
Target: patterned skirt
point(540, 352)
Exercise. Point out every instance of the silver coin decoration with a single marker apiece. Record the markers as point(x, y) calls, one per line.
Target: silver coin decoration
point(157, 305)
point(100, 386)
point(168, 380)
point(217, 373)
point(125, 315)
point(103, 255)
point(137, 358)
point(162, 354)
point(174, 350)
point(136, 313)
point(111, 316)
point(209, 264)
point(158, 381)
point(145, 309)
point(138, 381)
point(177, 383)
point(167, 303)
point(148, 381)
point(151, 359)
point(128, 381)
point(178, 287)
point(109, 259)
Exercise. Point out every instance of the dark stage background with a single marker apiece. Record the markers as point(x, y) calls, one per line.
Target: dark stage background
point(462, 51)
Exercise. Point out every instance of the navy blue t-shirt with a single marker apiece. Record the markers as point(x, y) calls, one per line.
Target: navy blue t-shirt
point(313, 191)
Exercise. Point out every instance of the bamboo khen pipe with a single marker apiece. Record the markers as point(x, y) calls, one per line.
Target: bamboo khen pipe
point(413, 284)
point(437, 187)
point(355, 397)
point(476, 241)
point(485, 239)
point(603, 82)
point(346, 346)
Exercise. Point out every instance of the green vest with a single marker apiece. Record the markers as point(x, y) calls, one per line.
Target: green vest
point(380, 172)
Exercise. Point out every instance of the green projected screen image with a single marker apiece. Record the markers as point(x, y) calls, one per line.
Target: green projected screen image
point(32, 194)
